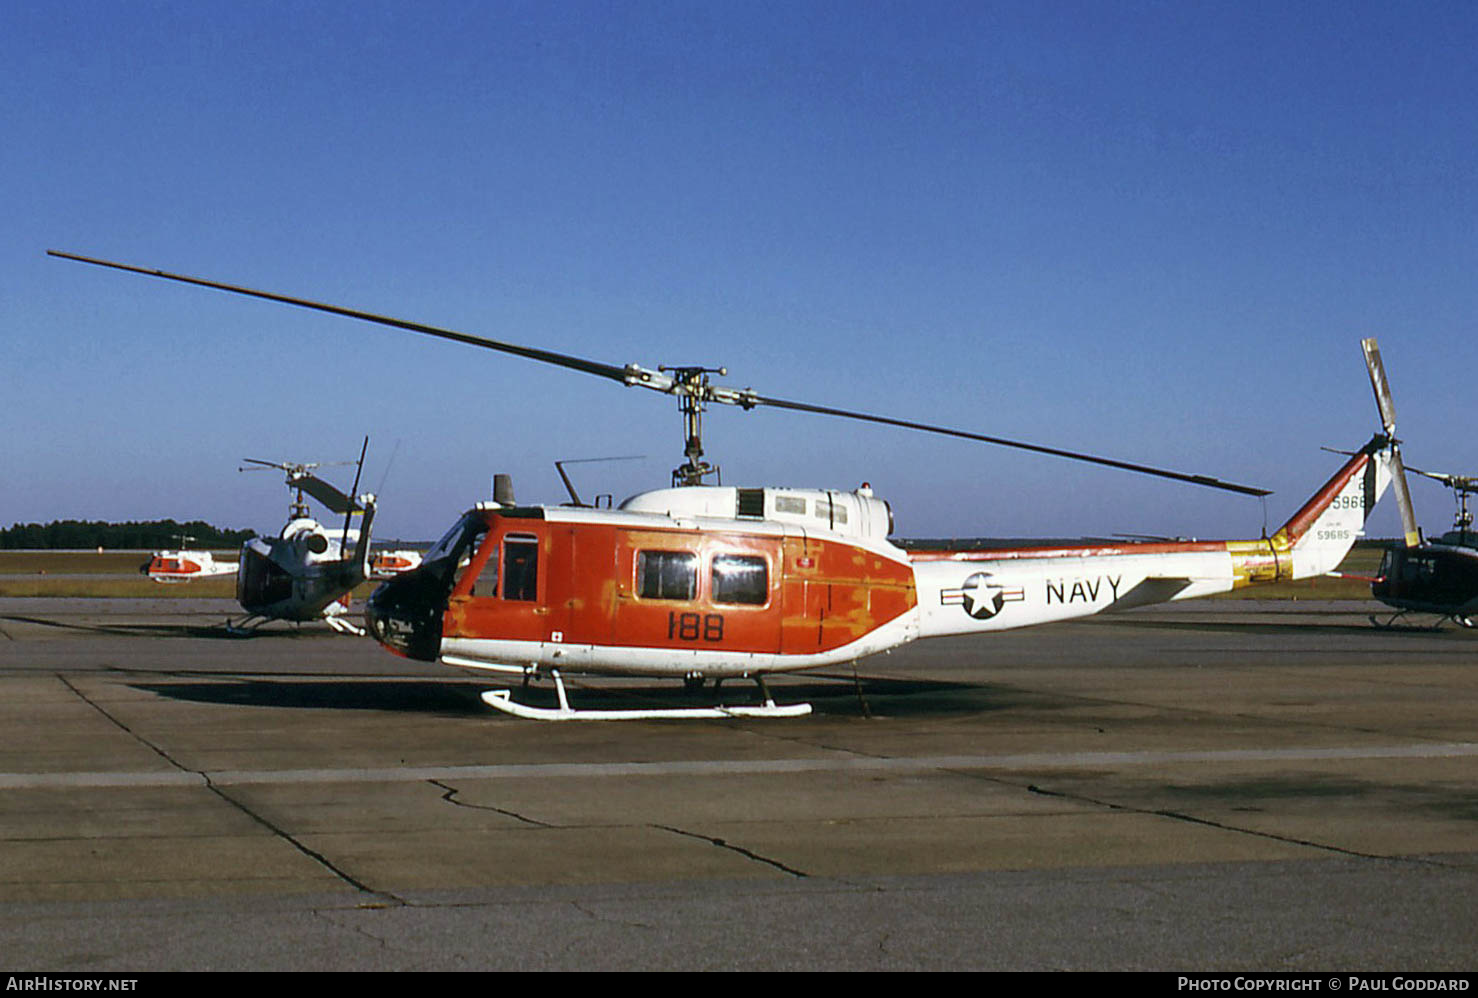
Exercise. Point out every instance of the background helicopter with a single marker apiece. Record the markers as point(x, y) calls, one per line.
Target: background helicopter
point(388, 564)
point(706, 582)
point(186, 565)
point(307, 571)
point(183, 565)
point(1438, 577)
point(1461, 534)
point(1421, 576)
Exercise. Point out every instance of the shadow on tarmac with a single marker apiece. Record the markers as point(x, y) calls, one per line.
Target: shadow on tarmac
point(1442, 630)
point(152, 630)
point(828, 696)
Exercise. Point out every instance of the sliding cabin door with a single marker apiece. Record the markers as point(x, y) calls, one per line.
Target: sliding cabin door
point(698, 592)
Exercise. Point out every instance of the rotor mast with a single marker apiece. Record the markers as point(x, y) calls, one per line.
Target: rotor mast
point(1462, 487)
point(690, 385)
point(1464, 516)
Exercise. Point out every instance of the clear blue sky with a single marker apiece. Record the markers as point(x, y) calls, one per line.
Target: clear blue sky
point(1155, 231)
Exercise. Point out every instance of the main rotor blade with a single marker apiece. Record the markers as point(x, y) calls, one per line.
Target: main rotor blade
point(325, 493)
point(1206, 480)
point(633, 374)
point(533, 353)
point(1461, 483)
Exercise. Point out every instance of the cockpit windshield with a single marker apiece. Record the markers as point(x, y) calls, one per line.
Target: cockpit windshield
point(454, 548)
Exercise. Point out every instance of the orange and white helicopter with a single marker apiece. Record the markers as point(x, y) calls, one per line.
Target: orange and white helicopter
point(388, 564)
point(183, 565)
point(699, 582)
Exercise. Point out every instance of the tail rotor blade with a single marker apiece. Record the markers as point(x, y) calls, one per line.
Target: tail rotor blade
point(1381, 385)
point(1387, 408)
point(1412, 533)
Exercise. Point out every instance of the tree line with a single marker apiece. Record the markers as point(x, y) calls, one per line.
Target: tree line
point(148, 535)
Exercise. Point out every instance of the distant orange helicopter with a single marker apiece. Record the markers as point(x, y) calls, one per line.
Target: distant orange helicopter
point(704, 582)
point(185, 565)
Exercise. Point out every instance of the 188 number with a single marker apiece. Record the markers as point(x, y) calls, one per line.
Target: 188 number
point(695, 627)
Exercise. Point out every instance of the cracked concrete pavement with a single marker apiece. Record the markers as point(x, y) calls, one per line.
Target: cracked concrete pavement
point(1216, 785)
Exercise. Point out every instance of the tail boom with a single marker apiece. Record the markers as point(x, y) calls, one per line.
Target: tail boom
point(968, 592)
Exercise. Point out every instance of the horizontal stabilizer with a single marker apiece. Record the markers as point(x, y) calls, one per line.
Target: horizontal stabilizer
point(1151, 590)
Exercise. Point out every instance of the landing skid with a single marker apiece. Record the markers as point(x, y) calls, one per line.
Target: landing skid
point(343, 626)
point(1391, 625)
point(246, 626)
point(503, 700)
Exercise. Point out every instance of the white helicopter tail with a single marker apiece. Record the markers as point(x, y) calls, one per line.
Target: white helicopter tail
point(1320, 535)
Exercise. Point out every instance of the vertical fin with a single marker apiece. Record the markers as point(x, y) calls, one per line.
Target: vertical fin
point(1321, 533)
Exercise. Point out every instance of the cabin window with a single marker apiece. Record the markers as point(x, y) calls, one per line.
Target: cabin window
point(740, 579)
point(520, 567)
point(790, 504)
point(1420, 571)
point(751, 502)
point(830, 511)
point(667, 574)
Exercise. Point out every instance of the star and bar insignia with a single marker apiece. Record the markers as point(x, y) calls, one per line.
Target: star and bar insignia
point(981, 596)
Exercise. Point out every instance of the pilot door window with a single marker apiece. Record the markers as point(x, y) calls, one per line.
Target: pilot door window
point(520, 567)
